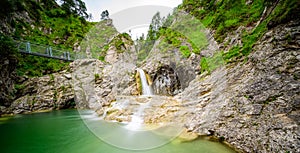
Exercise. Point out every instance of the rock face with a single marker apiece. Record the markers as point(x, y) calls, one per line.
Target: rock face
point(166, 82)
point(89, 83)
point(7, 75)
point(253, 105)
point(170, 71)
point(48, 92)
point(86, 73)
point(97, 84)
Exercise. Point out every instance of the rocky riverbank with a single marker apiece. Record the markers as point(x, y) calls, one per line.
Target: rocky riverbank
point(251, 104)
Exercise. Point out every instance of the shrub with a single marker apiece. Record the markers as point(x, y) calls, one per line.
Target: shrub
point(185, 51)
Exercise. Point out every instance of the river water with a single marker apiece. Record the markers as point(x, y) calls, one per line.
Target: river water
point(65, 132)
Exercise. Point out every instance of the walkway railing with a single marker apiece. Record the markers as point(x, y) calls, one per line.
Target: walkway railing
point(48, 51)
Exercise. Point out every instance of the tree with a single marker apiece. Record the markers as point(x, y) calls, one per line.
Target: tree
point(155, 25)
point(76, 7)
point(91, 17)
point(104, 15)
point(167, 22)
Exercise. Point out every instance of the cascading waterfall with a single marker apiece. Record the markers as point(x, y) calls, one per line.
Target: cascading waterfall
point(137, 117)
point(147, 90)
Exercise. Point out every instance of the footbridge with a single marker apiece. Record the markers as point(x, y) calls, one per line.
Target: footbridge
point(26, 47)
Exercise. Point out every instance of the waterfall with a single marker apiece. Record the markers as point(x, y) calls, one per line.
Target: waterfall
point(137, 118)
point(145, 86)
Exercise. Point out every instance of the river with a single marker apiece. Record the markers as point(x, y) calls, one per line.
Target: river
point(64, 131)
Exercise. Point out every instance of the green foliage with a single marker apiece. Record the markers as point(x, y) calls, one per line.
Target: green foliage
point(7, 46)
point(173, 34)
point(120, 40)
point(19, 87)
point(97, 76)
point(55, 96)
point(167, 22)
point(52, 77)
point(193, 30)
point(250, 39)
point(204, 65)
point(231, 23)
point(171, 37)
point(225, 15)
point(285, 11)
point(98, 38)
point(185, 51)
point(154, 27)
point(142, 54)
point(102, 58)
point(221, 139)
point(63, 88)
point(211, 63)
point(38, 66)
point(153, 34)
point(74, 7)
point(233, 52)
point(53, 27)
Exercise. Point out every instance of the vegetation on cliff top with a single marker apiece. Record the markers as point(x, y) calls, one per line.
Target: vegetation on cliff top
point(222, 17)
point(176, 31)
point(44, 22)
point(227, 15)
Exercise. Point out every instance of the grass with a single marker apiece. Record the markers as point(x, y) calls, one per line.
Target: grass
point(97, 39)
point(224, 16)
point(142, 54)
point(227, 15)
point(185, 51)
point(211, 63)
point(32, 66)
point(97, 76)
point(193, 30)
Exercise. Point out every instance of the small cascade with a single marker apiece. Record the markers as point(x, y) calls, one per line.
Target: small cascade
point(137, 118)
point(145, 86)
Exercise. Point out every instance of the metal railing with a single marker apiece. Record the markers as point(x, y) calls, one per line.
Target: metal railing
point(48, 51)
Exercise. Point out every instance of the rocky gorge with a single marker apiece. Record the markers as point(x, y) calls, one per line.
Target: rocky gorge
point(252, 104)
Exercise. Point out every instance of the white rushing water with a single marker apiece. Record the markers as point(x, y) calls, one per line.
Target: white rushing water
point(137, 118)
point(146, 87)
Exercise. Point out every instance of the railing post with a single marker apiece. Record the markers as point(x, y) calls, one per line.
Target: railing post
point(28, 49)
point(47, 51)
point(68, 53)
point(50, 51)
